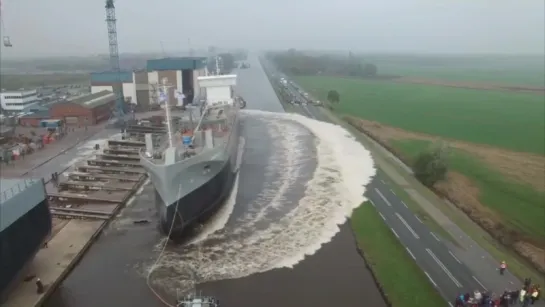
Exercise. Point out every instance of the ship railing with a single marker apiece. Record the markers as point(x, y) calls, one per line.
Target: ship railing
point(16, 189)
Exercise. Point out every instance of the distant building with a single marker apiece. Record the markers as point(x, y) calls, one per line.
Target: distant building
point(82, 111)
point(140, 87)
point(17, 101)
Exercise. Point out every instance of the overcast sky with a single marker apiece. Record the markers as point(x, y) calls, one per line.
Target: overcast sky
point(77, 27)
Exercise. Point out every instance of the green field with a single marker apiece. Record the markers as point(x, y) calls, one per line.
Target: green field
point(496, 192)
point(510, 120)
point(15, 82)
point(402, 280)
point(505, 70)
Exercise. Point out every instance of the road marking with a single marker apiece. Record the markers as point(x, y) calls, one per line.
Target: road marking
point(407, 225)
point(418, 219)
point(395, 233)
point(433, 235)
point(382, 216)
point(372, 203)
point(382, 181)
point(393, 192)
point(410, 253)
point(444, 268)
point(404, 204)
point(484, 288)
point(383, 198)
point(429, 277)
point(450, 304)
point(454, 257)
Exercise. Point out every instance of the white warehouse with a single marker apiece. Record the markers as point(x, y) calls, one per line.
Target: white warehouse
point(17, 101)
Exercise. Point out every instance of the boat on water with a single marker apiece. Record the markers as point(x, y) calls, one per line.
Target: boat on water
point(197, 301)
point(193, 166)
point(25, 225)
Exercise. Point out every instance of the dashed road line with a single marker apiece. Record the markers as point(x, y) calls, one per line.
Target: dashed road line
point(410, 253)
point(431, 280)
point(454, 257)
point(484, 288)
point(433, 235)
point(382, 216)
point(395, 233)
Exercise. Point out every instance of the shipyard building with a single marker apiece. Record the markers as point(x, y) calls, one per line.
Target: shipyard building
point(81, 111)
point(140, 87)
point(25, 224)
point(16, 101)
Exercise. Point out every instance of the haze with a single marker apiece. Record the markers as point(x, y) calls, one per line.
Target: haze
point(77, 27)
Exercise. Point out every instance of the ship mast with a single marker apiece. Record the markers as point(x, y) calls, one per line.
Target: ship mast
point(167, 113)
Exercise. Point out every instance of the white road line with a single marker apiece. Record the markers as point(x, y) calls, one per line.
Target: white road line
point(419, 219)
point(404, 204)
point(484, 288)
point(393, 192)
point(454, 257)
point(382, 216)
point(395, 233)
point(450, 304)
point(433, 235)
point(444, 268)
point(410, 253)
point(429, 277)
point(383, 198)
point(382, 181)
point(407, 225)
point(372, 203)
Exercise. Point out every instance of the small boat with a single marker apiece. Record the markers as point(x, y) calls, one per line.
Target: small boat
point(197, 301)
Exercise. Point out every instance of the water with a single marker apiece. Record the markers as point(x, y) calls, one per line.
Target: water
point(299, 181)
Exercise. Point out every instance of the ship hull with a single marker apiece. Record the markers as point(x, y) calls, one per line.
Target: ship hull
point(189, 192)
point(179, 218)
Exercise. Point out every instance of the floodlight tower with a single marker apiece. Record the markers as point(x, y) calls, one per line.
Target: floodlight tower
point(114, 58)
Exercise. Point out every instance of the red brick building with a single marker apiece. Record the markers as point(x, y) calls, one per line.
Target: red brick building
point(86, 110)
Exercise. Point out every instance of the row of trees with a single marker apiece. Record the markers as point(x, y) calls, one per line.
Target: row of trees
point(297, 63)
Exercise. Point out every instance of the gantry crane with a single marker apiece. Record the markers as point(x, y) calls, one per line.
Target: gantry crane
point(119, 111)
point(6, 38)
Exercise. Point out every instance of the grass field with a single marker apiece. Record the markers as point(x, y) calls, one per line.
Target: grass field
point(519, 206)
point(502, 119)
point(402, 280)
point(505, 70)
point(14, 82)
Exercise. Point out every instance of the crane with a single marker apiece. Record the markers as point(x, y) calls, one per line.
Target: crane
point(6, 38)
point(119, 110)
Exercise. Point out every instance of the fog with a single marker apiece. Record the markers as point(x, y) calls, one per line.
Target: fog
point(77, 27)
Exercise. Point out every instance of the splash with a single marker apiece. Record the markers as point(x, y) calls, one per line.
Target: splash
point(276, 230)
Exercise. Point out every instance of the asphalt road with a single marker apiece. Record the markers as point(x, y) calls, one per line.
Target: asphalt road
point(437, 258)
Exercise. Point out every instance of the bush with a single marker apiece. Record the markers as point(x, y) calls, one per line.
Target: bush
point(431, 166)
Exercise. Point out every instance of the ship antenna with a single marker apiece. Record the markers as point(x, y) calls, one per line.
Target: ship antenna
point(167, 113)
point(217, 66)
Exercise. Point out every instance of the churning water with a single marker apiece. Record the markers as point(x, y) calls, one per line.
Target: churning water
point(310, 177)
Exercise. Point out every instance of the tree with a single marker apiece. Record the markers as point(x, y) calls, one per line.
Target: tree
point(333, 96)
point(370, 70)
point(431, 166)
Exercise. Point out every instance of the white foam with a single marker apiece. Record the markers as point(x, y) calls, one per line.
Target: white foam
point(344, 168)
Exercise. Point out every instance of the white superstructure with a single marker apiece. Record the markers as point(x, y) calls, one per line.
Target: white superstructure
point(18, 100)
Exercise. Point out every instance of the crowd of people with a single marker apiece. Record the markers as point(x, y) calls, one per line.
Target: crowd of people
point(524, 297)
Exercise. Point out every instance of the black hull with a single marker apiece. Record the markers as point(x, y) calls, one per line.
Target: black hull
point(20, 242)
point(197, 206)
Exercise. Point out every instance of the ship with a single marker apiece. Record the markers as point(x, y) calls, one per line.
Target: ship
point(197, 301)
point(193, 166)
point(25, 225)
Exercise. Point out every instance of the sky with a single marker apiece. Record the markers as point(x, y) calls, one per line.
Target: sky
point(77, 27)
